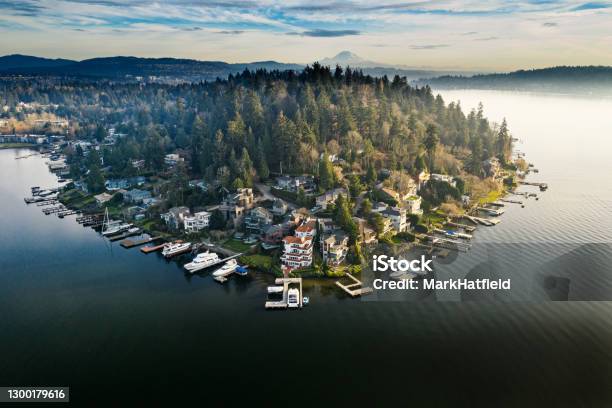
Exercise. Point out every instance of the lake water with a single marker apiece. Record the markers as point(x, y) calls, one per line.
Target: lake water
point(116, 325)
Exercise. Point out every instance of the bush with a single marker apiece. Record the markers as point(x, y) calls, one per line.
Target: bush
point(405, 236)
point(420, 228)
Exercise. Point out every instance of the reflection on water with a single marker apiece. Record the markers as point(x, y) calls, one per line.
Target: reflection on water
point(76, 310)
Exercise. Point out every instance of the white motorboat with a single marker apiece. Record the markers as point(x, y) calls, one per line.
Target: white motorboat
point(176, 248)
point(293, 298)
point(229, 267)
point(275, 289)
point(201, 261)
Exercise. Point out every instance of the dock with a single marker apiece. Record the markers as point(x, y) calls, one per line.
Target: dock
point(150, 248)
point(491, 211)
point(356, 288)
point(124, 235)
point(452, 234)
point(468, 228)
point(542, 186)
point(283, 304)
point(447, 243)
point(128, 243)
point(482, 221)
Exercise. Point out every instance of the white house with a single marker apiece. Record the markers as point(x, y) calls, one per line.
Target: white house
point(197, 222)
point(398, 218)
point(444, 177)
point(413, 205)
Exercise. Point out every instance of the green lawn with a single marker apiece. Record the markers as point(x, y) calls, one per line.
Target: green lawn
point(491, 197)
point(261, 262)
point(236, 245)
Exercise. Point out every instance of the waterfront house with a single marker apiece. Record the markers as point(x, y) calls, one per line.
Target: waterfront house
point(234, 206)
point(413, 205)
point(329, 197)
point(422, 178)
point(379, 206)
point(334, 247)
point(175, 217)
point(197, 222)
point(397, 216)
point(327, 225)
point(116, 184)
point(136, 196)
point(297, 249)
point(273, 234)
point(366, 234)
point(102, 198)
point(257, 219)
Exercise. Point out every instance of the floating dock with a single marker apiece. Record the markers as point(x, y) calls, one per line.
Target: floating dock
point(482, 221)
point(152, 248)
point(491, 211)
point(354, 289)
point(128, 243)
point(283, 303)
point(468, 228)
point(124, 235)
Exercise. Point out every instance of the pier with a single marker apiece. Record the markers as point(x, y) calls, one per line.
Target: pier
point(468, 228)
point(284, 302)
point(356, 288)
point(152, 248)
point(124, 235)
point(128, 243)
point(482, 221)
point(491, 211)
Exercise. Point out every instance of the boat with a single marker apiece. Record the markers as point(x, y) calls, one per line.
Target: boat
point(275, 289)
point(242, 270)
point(227, 268)
point(115, 227)
point(201, 261)
point(176, 248)
point(293, 298)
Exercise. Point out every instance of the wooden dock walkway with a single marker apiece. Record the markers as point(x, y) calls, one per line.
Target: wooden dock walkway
point(468, 228)
point(124, 235)
point(357, 284)
point(152, 248)
point(128, 243)
point(283, 304)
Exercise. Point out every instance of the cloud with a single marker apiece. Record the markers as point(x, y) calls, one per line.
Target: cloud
point(592, 6)
point(428, 46)
point(550, 24)
point(230, 32)
point(326, 33)
point(493, 38)
point(470, 33)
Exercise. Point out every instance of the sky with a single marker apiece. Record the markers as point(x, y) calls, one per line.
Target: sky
point(494, 35)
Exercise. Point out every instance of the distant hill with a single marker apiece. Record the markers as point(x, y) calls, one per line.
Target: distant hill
point(122, 67)
point(18, 61)
point(589, 79)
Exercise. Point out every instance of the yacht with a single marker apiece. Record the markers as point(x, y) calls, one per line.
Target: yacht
point(115, 227)
point(201, 261)
point(176, 248)
point(293, 297)
point(229, 267)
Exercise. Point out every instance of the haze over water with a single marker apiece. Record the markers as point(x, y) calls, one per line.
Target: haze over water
point(79, 311)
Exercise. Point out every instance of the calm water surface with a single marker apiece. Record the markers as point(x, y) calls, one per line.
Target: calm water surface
point(117, 325)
